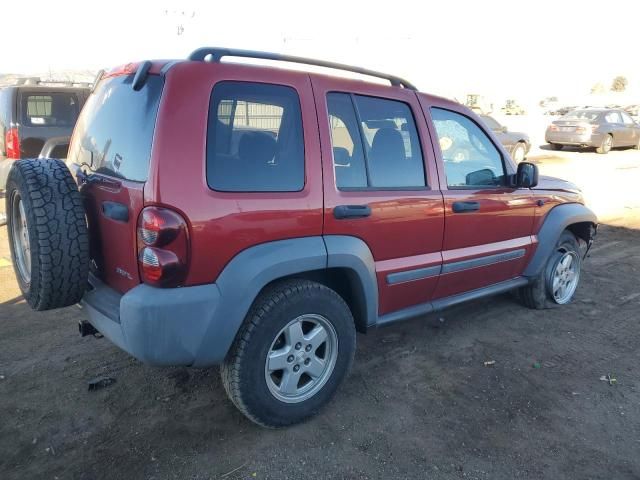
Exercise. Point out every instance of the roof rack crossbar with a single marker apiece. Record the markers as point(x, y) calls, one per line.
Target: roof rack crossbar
point(216, 55)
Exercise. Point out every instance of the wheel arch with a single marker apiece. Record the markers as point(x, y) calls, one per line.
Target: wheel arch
point(342, 263)
point(574, 217)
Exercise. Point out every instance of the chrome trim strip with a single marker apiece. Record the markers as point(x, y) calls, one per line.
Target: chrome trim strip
point(411, 275)
point(483, 261)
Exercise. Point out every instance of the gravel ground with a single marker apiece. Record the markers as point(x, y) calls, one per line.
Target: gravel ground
point(419, 403)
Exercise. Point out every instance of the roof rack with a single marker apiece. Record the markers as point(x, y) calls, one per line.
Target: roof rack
point(216, 55)
point(49, 83)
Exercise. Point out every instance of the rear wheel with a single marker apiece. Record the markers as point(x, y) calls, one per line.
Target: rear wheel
point(555, 146)
point(605, 145)
point(558, 282)
point(47, 233)
point(294, 349)
point(519, 152)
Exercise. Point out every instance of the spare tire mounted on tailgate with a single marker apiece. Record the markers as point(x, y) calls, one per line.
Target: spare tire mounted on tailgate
point(48, 234)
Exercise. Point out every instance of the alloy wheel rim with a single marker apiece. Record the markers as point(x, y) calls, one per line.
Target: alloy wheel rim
point(565, 277)
point(20, 234)
point(301, 358)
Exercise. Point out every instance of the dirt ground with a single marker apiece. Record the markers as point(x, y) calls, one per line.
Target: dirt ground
point(419, 402)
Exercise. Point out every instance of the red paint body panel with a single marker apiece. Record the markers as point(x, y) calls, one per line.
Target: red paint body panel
point(400, 295)
point(222, 224)
point(113, 243)
point(404, 225)
point(505, 214)
point(471, 279)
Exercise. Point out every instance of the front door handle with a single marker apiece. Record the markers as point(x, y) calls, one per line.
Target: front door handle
point(351, 211)
point(462, 207)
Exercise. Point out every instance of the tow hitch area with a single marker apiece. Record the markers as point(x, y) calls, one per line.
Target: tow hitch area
point(85, 328)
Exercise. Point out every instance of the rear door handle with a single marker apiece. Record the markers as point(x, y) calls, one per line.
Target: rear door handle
point(462, 207)
point(351, 211)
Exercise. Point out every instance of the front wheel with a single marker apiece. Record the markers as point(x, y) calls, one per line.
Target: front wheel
point(558, 282)
point(293, 351)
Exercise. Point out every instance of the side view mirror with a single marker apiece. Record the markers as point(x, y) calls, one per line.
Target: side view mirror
point(527, 175)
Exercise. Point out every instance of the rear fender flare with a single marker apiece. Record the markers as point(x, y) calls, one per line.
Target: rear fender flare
point(251, 270)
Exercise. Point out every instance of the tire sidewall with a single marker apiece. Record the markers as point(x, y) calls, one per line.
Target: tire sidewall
point(604, 146)
point(257, 396)
point(16, 183)
point(519, 147)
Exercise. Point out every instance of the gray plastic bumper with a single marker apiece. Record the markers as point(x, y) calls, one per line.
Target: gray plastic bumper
point(157, 326)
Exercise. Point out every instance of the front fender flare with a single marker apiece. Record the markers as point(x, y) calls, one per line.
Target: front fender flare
point(556, 221)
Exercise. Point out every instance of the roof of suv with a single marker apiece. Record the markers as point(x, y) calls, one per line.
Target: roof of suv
point(214, 55)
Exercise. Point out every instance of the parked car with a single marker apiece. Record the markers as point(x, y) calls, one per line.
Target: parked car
point(511, 107)
point(599, 128)
point(35, 114)
point(257, 217)
point(516, 143)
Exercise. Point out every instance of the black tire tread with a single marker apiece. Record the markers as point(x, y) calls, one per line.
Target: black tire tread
point(535, 295)
point(264, 304)
point(57, 232)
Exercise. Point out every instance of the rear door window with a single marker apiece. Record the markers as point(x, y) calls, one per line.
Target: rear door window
point(114, 133)
point(255, 139)
point(51, 109)
point(375, 143)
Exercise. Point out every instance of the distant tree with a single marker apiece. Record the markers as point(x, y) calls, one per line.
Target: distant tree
point(598, 88)
point(619, 84)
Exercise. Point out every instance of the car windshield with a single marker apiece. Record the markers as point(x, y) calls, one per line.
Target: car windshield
point(583, 114)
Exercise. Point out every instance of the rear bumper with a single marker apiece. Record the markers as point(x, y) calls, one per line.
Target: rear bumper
point(157, 326)
point(570, 138)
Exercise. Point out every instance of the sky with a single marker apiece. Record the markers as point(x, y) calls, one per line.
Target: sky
point(515, 49)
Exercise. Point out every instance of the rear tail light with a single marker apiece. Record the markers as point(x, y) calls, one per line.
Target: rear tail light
point(594, 127)
point(12, 143)
point(163, 247)
point(553, 128)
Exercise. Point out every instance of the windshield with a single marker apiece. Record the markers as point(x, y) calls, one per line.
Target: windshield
point(583, 114)
point(115, 129)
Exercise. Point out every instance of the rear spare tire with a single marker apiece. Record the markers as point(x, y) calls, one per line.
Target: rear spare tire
point(48, 234)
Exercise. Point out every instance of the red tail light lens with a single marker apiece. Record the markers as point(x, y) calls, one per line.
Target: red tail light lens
point(163, 247)
point(12, 143)
point(553, 128)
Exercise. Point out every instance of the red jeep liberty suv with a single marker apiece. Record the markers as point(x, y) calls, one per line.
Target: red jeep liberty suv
point(257, 217)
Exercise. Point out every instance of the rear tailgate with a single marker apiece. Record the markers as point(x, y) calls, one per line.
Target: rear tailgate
point(110, 155)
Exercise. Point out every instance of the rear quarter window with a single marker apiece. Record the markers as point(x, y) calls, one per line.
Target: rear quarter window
point(114, 133)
